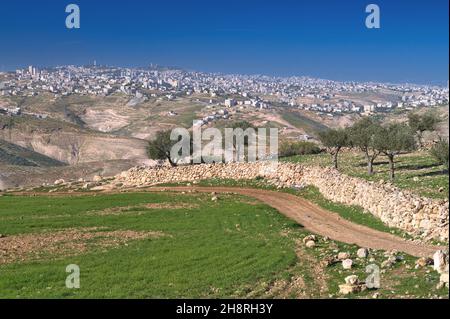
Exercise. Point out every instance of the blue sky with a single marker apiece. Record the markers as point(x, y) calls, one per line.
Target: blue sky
point(323, 38)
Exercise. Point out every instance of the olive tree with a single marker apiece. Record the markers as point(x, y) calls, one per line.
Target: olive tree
point(334, 140)
point(422, 123)
point(392, 140)
point(362, 135)
point(160, 147)
point(440, 152)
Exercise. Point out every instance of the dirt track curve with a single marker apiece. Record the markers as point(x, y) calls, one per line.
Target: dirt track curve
point(322, 222)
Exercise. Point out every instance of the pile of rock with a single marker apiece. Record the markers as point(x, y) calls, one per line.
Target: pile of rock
point(397, 208)
point(352, 285)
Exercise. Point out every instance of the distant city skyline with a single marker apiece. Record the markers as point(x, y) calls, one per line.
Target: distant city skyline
point(326, 39)
point(180, 68)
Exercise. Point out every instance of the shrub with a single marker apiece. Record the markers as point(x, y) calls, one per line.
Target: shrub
point(440, 153)
point(298, 148)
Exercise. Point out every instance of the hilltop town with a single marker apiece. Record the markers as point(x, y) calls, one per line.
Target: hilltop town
point(324, 97)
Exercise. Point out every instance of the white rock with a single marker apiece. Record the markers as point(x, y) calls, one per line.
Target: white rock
point(352, 280)
point(444, 278)
point(310, 244)
point(309, 238)
point(362, 253)
point(347, 264)
point(59, 182)
point(440, 259)
point(347, 289)
point(343, 256)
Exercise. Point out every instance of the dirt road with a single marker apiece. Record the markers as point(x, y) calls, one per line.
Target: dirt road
point(322, 222)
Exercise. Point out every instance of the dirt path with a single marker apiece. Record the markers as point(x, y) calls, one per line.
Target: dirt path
point(320, 221)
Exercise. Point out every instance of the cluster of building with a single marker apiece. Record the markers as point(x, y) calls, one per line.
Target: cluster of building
point(222, 114)
point(16, 111)
point(321, 96)
point(10, 111)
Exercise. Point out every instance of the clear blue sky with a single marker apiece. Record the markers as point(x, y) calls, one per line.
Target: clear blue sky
point(321, 38)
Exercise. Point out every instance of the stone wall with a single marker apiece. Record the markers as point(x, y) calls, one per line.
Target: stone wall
point(416, 215)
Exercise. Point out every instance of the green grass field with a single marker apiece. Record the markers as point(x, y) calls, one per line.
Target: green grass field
point(209, 249)
point(417, 172)
point(235, 247)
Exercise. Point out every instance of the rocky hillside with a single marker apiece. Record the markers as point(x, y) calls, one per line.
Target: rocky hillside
point(12, 154)
point(68, 143)
point(23, 176)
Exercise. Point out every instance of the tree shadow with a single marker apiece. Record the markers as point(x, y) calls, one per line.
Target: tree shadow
point(431, 174)
point(364, 164)
point(417, 167)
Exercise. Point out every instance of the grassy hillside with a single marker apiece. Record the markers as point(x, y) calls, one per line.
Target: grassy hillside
point(301, 122)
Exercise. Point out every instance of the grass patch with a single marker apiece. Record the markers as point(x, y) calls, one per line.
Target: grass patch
point(212, 250)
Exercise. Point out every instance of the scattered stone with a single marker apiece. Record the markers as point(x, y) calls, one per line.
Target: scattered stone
point(59, 182)
point(440, 259)
point(97, 178)
point(389, 263)
point(329, 261)
point(310, 244)
point(440, 285)
point(87, 185)
point(309, 238)
point(376, 295)
point(215, 198)
point(347, 289)
point(423, 262)
point(444, 278)
point(347, 264)
point(343, 256)
point(352, 280)
point(362, 253)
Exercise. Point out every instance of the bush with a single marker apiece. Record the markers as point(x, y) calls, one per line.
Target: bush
point(440, 153)
point(298, 148)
